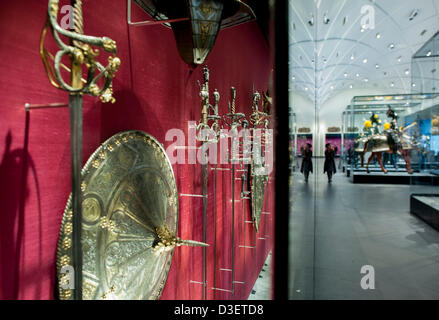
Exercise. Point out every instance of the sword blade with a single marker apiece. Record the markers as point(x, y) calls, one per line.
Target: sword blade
point(233, 229)
point(204, 219)
point(75, 105)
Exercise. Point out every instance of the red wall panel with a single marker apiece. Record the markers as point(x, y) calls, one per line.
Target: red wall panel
point(155, 91)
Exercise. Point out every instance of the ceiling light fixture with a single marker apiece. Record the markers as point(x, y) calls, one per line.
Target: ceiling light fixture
point(399, 59)
point(366, 80)
point(428, 53)
point(357, 75)
point(325, 18)
point(377, 66)
point(311, 21)
point(365, 60)
point(352, 57)
point(407, 71)
point(351, 86)
point(413, 85)
point(413, 14)
point(391, 46)
point(378, 35)
point(392, 84)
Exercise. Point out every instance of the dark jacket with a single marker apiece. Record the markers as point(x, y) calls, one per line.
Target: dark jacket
point(307, 161)
point(329, 162)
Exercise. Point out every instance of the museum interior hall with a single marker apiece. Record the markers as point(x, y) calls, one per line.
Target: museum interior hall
point(364, 103)
point(219, 150)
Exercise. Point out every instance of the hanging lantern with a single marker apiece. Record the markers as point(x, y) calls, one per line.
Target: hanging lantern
point(197, 34)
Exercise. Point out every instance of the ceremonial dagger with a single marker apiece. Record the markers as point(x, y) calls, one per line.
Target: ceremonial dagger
point(80, 52)
point(257, 118)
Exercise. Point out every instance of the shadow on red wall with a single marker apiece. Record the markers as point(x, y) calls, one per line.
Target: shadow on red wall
point(13, 197)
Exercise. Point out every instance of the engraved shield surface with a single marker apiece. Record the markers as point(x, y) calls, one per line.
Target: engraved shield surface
point(129, 191)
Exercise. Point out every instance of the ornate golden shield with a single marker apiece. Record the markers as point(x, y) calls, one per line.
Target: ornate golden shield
point(129, 223)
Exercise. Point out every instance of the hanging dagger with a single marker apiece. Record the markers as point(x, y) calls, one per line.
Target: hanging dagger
point(233, 120)
point(257, 167)
point(80, 52)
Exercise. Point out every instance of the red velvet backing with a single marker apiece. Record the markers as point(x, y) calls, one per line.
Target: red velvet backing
point(155, 91)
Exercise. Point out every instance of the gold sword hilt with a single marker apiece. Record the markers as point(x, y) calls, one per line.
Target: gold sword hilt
point(257, 117)
point(204, 130)
point(80, 51)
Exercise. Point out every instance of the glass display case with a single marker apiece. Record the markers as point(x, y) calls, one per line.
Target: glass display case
point(293, 139)
point(424, 63)
point(348, 136)
point(424, 78)
point(416, 118)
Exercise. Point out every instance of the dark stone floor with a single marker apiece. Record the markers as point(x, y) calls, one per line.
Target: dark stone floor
point(337, 228)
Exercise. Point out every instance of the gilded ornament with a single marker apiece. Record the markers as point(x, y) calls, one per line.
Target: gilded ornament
point(65, 294)
point(68, 228)
point(65, 260)
point(67, 243)
point(96, 163)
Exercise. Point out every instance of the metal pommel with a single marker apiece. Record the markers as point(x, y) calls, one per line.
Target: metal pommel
point(206, 74)
point(216, 96)
point(256, 98)
point(233, 93)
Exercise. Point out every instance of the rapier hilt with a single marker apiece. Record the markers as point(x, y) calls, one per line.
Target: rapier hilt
point(257, 117)
point(208, 113)
point(80, 52)
point(233, 119)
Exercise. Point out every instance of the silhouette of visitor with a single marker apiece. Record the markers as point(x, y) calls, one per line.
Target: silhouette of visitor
point(306, 167)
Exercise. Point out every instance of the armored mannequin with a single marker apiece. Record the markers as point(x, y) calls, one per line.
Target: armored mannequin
point(392, 130)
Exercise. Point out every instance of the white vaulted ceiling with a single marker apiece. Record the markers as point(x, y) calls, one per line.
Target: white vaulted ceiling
point(326, 59)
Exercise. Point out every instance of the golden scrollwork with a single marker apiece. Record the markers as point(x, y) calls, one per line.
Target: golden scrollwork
point(80, 51)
